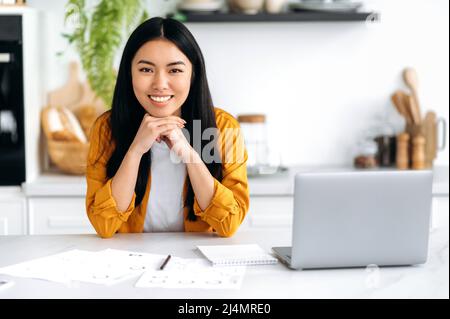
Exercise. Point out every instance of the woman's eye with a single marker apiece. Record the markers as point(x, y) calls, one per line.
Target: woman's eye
point(145, 70)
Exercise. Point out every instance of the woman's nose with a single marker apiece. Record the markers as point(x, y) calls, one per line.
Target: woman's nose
point(160, 81)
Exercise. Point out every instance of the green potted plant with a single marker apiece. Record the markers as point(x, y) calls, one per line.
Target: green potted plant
point(97, 32)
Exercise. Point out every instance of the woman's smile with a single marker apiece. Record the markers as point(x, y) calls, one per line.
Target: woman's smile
point(160, 100)
point(161, 77)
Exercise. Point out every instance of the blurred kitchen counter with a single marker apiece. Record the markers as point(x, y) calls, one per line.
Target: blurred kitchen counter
point(281, 184)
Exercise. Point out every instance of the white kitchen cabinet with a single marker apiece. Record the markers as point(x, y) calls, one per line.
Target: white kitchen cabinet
point(439, 212)
point(270, 211)
point(58, 215)
point(66, 215)
point(12, 212)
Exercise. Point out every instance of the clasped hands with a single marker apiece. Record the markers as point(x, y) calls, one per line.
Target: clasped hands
point(165, 129)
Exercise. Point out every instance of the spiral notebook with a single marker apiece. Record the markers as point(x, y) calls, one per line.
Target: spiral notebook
point(237, 255)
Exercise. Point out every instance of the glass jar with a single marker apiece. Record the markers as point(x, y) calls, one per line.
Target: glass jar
point(254, 130)
point(384, 136)
point(366, 154)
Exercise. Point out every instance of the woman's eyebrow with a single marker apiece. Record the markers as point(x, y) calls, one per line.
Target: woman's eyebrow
point(170, 64)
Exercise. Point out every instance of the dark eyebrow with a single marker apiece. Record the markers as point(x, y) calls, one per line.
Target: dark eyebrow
point(170, 64)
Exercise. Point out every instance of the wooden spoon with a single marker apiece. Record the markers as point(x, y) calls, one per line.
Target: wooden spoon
point(411, 80)
point(414, 110)
point(399, 99)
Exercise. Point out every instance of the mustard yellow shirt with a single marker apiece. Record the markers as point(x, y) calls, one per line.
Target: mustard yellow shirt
point(225, 213)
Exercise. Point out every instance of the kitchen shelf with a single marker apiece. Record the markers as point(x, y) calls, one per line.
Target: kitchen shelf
point(278, 17)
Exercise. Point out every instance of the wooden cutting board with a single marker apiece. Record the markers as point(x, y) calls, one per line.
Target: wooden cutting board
point(75, 94)
point(89, 98)
point(70, 93)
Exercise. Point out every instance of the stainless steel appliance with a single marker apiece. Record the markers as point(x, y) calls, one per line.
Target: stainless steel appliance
point(12, 137)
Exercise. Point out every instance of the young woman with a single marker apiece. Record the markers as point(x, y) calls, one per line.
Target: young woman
point(150, 168)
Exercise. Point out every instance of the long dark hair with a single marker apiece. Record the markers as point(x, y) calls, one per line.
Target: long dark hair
point(127, 113)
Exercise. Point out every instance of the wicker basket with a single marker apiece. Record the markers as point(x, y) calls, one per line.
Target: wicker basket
point(69, 156)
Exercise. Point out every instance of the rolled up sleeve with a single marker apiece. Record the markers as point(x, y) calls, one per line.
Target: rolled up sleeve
point(230, 202)
point(100, 204)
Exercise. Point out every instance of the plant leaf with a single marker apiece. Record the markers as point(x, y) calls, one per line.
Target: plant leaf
point(98, 35)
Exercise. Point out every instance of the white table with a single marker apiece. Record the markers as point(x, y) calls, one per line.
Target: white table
point(430, 280)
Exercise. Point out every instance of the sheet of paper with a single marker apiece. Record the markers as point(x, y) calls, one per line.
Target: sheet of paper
point(105, 267)
point(110, 266)
point(192, 273)
point(55, 268)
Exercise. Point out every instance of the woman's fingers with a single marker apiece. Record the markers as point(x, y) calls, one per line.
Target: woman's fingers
point(162, 127)
point(164, 130)
point(169, 131)
point(165, 119)
point(173, 117)
point(166, 122)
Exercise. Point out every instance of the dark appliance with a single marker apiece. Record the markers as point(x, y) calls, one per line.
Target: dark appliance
point(12, 132)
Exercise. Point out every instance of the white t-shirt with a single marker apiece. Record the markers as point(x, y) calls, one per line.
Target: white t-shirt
point(165, 204)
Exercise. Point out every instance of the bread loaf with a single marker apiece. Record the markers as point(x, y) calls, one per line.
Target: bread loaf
point(71, 124)
point(86, 114)
point(60, 124)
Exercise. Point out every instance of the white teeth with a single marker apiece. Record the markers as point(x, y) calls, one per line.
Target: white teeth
point(161, 98)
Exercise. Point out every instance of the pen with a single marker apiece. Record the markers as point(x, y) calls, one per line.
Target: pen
point(165, 263)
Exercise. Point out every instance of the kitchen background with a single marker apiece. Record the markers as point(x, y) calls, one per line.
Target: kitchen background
point(323, 87)
point(321, 84)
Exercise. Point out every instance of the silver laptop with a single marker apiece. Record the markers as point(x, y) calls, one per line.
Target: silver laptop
point(359, 218)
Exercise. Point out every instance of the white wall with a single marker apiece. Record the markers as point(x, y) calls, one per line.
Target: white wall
point(321, 84)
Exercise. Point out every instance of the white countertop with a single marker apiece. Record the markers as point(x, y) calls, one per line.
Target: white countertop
point(283, 184)
point(16, 9)
point(7, 192)
point(430, 280)
point(52, 184)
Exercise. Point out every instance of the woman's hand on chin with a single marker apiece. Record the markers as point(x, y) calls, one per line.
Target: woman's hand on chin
point(178, 143)
point(151, 129)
